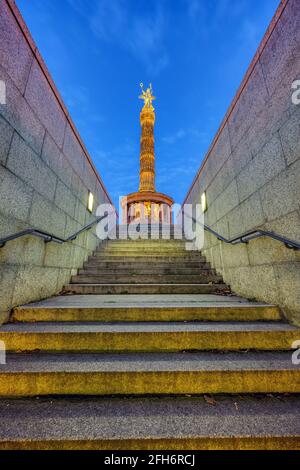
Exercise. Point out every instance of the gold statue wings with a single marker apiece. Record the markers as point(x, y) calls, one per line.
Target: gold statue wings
point(147, 96)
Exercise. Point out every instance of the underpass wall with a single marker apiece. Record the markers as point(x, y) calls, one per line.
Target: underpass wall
point(251, 173)
point(46, 173)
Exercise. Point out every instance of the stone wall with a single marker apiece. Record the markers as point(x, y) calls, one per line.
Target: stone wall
point(251, 173)
point(45, 173)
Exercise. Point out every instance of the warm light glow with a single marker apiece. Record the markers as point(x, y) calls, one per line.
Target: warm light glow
point(203, 202)
point(148, 208)
point(90, 202)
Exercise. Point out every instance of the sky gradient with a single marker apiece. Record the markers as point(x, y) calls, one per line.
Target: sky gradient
point(195, 53)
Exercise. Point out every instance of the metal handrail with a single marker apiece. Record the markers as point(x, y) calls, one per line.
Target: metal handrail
point(245, 238)
point(248, 236)
point(49, 237)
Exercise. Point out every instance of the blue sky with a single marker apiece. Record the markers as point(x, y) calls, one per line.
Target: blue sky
point(195, 53)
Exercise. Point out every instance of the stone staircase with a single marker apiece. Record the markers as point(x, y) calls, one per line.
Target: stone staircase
point(146, 266)
point(148, 349)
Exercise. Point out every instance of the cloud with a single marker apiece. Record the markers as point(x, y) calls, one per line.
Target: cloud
point(121, 158)
point(175, 173)
point(118, 22)
point(119, 166)
point(185, 133)
point(171, 139)
point(209, 17)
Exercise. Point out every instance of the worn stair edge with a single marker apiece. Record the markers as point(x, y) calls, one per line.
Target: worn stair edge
point(191, 443)
point(26, 384)
point(146, 278)
point(148, 256)
point(144, 242)
point(148, 374)
point(154, 271)
point(84, 337)
point(92, 261)
point(141, 314)
point(149, 250)
point(138, 288)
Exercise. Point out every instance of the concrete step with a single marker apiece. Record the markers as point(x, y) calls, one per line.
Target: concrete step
point(153, 250)
point(142, 236)
point(145, 228)
point(154, 247)
point(94, 261)
point(150, 242)
point(113, 288)
point(148, 373)
point(147, 242)
point(142, 257)
point(137, 236)
point(147, 337)
point(146, 278)
point(143, 308)
point(154, 271)
point(174, 423)
point(152, 236)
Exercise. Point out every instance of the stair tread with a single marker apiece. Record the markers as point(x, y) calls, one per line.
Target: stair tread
point(145, 327)
point(146, 289)
point(148, 362)
point(150, 300)
point(145, 284)
point(124, 278)
point(141, 418)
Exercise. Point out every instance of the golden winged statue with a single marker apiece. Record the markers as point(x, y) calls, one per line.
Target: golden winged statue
point(147, 96)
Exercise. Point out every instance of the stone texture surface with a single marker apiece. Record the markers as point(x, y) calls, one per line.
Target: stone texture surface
point(251, 212)
point(227, 200)
point(253, 98)
point(198, 361)
point(234, 255)
point(7, 278)
point(146, 327)
point(40, 98)
point(16, 196)
point(264, 251)
point(288, 277)
point(20, 116)
point(15, 54)
point(288, 225)
point(290, 137)
point(29, 250)
point(144, 300)
point(277, 58)
point(34, 282)
point(45, 216)
point(113, 418)
point(56, 160)
point(264, 166)
point(28, 166)
point(282, 195)
point(6, 133)
point(290, 24)
point(235, 222)
point(73, 151)
point(64, 199)
point(44, 175)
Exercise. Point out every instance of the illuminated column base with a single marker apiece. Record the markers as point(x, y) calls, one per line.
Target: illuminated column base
point(147, 207)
